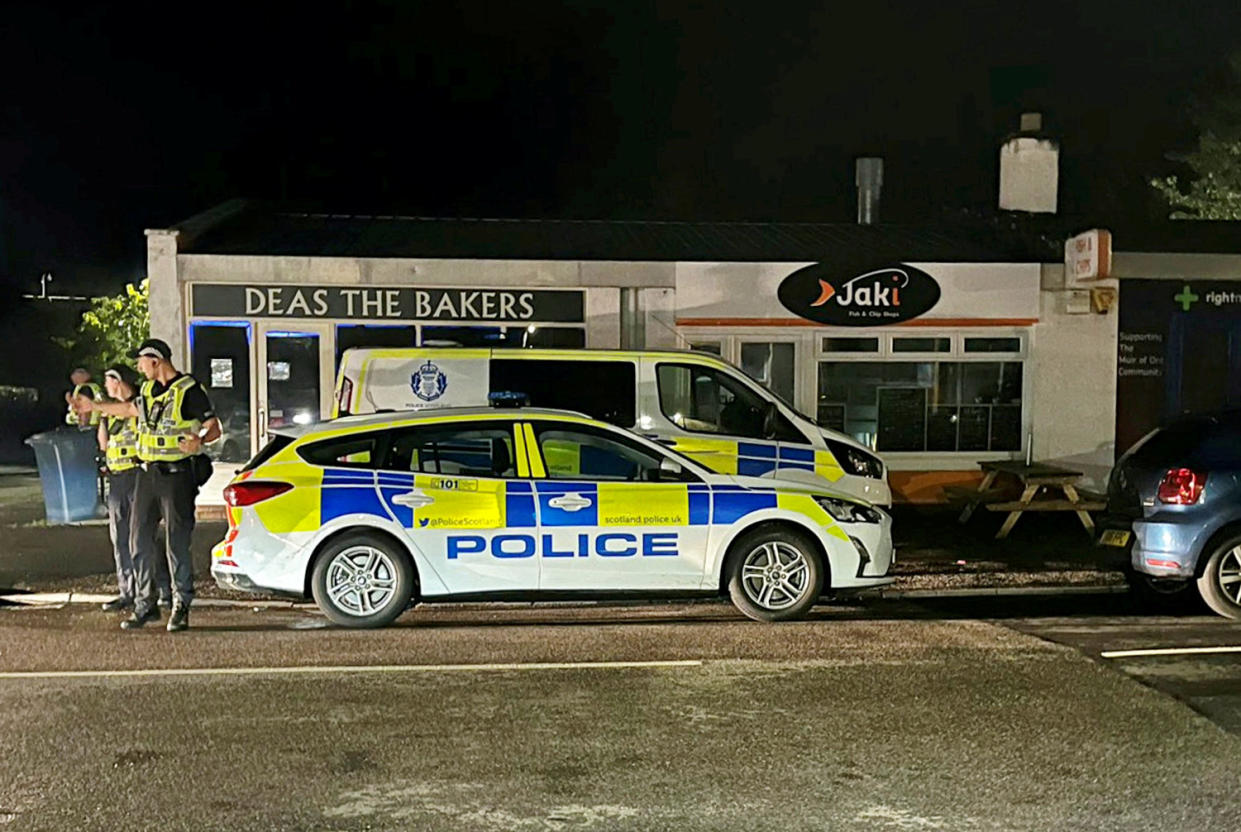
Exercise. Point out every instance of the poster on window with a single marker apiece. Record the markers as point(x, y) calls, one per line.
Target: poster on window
point(1178, 352)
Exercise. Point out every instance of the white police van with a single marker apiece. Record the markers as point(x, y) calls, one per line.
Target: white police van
point(694, 402)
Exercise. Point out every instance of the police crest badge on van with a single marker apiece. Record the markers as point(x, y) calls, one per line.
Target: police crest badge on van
point(429, 383)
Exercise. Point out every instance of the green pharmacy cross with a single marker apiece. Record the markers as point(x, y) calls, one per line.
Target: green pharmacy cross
point(1186, 298)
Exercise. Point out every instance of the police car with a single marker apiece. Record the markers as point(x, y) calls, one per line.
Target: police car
point(371, 514)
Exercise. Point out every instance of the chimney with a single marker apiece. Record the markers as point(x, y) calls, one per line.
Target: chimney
point(1029, 169)
point(869, 181)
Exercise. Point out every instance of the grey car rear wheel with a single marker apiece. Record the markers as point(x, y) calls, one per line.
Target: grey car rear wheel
point(1220, 584)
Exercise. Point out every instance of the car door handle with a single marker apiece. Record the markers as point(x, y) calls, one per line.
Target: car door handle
point(413, 499)
point(570, 502)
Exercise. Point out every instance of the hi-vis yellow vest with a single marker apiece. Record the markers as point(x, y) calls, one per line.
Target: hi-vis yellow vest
point(161, 423)
point(95, 392)
point(122, 452)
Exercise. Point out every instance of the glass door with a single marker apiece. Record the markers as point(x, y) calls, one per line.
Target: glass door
point(294, 372)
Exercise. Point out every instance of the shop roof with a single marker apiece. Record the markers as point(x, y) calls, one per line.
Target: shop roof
point(248, 228)
point(255, 231)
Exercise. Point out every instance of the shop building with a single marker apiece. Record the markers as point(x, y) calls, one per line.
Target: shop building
point(260, 304)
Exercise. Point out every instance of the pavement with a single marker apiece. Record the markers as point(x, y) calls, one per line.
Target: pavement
point(965, 714)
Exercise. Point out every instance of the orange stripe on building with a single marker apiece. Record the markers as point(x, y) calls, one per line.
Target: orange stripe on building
point(800, 322)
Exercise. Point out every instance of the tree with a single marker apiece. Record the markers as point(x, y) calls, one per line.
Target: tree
point(1214, 191)
point(113, 326)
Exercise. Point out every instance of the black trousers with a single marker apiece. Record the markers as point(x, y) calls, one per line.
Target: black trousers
point(164, 491)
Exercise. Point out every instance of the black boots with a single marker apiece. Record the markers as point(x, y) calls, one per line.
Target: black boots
point(180, 618)
point(137, 622)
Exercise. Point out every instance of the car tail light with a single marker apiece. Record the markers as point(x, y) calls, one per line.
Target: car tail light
point(344, 396)
point(256, 491)
point(1181, 486)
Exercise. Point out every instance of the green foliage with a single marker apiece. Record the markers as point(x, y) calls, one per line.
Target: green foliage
point(1214, 192)
point(112, 327)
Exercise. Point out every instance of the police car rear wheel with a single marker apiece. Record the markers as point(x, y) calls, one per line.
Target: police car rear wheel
point(775, 575)
point(360, 581)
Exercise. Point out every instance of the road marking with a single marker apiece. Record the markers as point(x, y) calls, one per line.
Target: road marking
point(1168, 651)
point(376, 668)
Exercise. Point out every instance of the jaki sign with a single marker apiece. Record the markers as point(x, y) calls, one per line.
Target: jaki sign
point(875, 297)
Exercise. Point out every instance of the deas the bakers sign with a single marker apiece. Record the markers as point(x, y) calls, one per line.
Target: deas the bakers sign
point(871, 297)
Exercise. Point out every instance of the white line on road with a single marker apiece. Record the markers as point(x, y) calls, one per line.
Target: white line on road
point(376, 668)
point(1168, 651)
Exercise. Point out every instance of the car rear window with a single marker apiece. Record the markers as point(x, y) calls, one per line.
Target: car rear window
point(1200, 441)
point(355, 451)
point(273, 447)
point(606, 390)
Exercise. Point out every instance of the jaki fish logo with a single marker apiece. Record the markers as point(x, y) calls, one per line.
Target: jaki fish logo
point(878, 288)
point(429, 383)
point(871, 297)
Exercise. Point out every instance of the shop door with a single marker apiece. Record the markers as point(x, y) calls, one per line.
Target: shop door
point(294, 373)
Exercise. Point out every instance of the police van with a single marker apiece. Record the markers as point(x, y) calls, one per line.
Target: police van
point(693, 402)
point(370, 514)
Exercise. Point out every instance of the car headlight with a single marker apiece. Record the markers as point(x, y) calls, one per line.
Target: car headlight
point(849, 512)
point(856, 461)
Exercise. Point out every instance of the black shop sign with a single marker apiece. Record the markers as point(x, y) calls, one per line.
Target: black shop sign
point(238, 300)
point(864, 296)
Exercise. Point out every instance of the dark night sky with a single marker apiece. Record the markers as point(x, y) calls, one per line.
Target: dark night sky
point(125, 117)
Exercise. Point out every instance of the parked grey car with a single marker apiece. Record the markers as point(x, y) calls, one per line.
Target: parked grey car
point(1174, 499)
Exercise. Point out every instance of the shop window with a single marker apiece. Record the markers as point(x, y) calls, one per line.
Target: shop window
point(713, 347)
point(292, 378)
point(499, 337)
point(771, 365)
point(453, 451)
point(220, 360)
point(605, 390)
point(840, 344)
point(921, 345)
point(939, 406)
point(705, 400)
point(993, 345)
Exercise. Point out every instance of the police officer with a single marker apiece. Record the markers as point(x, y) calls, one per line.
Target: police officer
point(118, 440)
point(174, 421)
point(82, 386)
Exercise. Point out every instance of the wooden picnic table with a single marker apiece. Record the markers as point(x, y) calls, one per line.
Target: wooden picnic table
point(1034, 477)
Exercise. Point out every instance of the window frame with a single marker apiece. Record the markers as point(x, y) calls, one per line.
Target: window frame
point(690, 471)
point(929, 459)
point(381, 438)
point(790, 433)
point(509, 426)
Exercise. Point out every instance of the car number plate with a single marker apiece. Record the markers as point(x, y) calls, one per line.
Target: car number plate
point(1114, 537)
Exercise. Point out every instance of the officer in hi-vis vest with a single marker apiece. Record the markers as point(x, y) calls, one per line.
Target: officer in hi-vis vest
point(118, 439)
point(82, 386)
point(175, 420)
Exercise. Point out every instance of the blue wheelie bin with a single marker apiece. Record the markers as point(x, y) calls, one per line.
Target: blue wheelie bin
point(68, 473)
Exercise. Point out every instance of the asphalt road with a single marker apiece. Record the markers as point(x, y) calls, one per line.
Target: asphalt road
point(966, 715)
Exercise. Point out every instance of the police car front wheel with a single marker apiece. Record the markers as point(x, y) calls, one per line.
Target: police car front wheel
point(362, 580)
point(775, 574)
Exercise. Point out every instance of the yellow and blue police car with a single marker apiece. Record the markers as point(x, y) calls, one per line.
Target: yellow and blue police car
point(371, 514)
